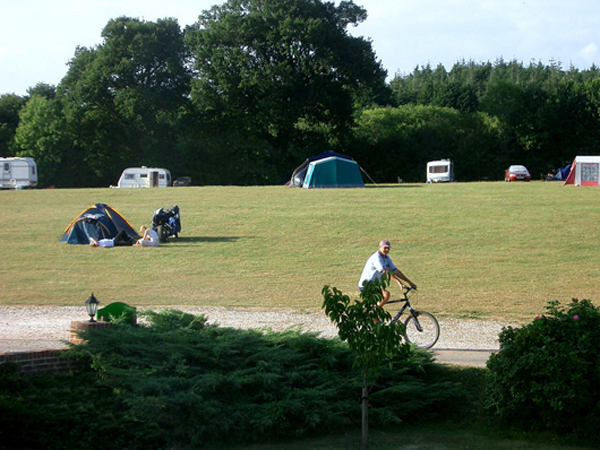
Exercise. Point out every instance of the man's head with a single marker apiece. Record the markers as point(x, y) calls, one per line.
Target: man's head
point(384, 247)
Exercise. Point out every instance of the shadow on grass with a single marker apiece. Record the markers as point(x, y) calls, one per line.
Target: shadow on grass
point(196, 239)
point(392, 186)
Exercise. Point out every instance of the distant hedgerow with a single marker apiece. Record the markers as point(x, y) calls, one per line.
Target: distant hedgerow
point(547, 373)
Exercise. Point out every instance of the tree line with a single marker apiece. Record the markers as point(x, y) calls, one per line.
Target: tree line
point(486, 116)
point(254, 87)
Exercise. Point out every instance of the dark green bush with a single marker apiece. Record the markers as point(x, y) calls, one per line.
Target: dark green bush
point(64, 412)
point(180, 383)
point(547, 373)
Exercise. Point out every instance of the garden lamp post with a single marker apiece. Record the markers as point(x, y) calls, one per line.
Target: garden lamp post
point(91, 305)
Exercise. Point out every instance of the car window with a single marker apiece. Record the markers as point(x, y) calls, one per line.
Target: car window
point(517, 169)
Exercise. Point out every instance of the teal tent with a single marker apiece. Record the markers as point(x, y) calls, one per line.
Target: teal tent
point(328, 170)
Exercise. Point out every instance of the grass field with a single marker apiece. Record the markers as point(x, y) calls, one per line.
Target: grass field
point(477, 250)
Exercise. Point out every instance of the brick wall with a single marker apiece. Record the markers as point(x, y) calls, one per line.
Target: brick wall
point(77, 327)
point(49, 361)
point(38, 362)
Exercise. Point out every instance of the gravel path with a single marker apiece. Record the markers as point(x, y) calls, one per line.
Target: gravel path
point(24, 328)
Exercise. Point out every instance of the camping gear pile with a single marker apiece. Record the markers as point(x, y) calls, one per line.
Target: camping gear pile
point(166, 223)
point(561, 174)
point(103, 222)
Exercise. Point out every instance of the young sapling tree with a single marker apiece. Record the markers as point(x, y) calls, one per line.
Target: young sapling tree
point(364, 326)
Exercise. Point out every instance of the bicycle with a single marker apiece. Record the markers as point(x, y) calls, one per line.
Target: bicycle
point(421, 328)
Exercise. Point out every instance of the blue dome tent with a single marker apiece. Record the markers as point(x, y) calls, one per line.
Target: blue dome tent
point(98, 222)
point(328, 170)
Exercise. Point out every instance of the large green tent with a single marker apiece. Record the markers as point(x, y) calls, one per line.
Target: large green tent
point(328, 170)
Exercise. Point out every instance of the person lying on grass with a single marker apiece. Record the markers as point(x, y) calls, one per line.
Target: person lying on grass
point(120, 239)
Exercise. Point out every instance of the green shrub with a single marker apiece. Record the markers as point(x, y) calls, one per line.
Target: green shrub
point(172, 319)
point(73, 411)
point(205, 385)
point(547, 373)
point(180, 383)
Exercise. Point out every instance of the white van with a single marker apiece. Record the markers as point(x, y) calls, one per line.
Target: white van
point(440, 171)
point(144, 177)
point(18, 173)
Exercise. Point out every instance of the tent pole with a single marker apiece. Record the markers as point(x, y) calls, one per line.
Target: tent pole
point(368, 176)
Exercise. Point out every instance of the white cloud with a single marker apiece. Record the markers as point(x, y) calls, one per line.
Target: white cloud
point(589, 53)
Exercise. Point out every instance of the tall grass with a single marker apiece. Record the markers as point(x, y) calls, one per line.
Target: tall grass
point(486, 250)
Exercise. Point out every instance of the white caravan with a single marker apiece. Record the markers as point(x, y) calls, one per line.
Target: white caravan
point(18, 173)
point(440, 171)
point(144, 177)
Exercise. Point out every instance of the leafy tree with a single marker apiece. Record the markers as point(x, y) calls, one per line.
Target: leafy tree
point(10, 105)
point(125, 98)
point(567, 125)
point(273, 68)
point(394, 142)
point(43, 135)
point(455, 95)
point(362, 324)
point(225, 155)
point(43, 90)
point(480, 146)
point(545, 114)
point(398, 142)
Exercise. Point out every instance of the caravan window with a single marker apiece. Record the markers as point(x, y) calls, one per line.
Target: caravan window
point(438, 169)
point(130, 176)
point(6, 167)
point(161, 176)
point(143, 175)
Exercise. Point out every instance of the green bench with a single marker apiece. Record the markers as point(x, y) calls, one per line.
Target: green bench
point(116, 310)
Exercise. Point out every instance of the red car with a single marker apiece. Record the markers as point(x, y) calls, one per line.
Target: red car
point(517, 173)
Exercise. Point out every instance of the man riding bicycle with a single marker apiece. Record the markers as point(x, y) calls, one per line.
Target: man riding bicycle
point(377, 265)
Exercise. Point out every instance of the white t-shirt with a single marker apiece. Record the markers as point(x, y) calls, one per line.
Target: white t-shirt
point(374, 268)
point(153, 242)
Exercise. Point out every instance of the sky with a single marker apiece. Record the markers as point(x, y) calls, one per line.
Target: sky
point(39, 37)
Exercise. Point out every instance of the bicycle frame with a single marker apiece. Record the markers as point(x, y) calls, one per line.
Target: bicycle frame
point(406, 305)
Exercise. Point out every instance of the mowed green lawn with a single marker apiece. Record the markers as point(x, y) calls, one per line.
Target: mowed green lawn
point(482, 250)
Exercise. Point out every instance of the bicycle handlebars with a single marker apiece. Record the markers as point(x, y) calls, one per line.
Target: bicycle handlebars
point(406, 288)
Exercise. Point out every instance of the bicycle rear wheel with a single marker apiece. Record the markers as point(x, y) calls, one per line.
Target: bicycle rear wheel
point(422, 329)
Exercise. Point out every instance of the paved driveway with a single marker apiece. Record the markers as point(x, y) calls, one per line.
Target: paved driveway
point(462, 357)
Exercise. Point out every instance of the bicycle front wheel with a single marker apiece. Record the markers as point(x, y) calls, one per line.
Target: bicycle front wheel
point(422, 329)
